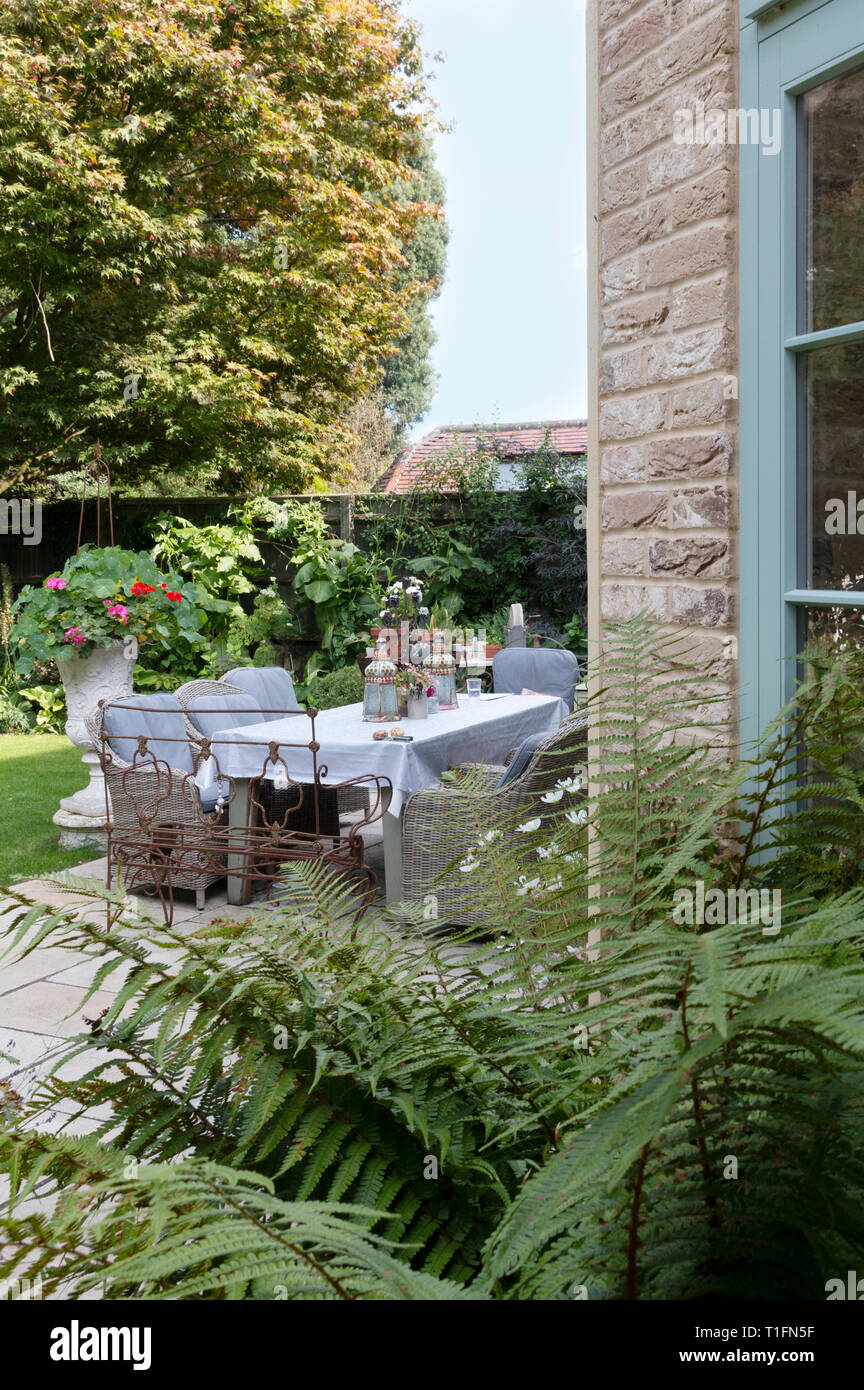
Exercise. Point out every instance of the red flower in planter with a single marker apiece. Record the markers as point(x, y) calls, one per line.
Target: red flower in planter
point(139, 588)
point(175, 598)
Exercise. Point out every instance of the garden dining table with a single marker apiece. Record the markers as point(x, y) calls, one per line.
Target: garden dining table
point(480, 730)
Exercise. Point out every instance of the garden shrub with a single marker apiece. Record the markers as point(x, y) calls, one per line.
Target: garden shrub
point(13, 716)
point(333, 688)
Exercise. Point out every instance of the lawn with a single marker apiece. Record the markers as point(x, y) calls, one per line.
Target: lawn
point(36, 770)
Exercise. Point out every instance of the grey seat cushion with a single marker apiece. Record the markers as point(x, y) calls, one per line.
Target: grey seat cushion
point(210, 713)
point(271, 686)
point(548, 670)
point(160, 718)
point(521, 758)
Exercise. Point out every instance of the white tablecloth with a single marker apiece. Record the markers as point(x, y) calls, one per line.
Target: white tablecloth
point(481, 731)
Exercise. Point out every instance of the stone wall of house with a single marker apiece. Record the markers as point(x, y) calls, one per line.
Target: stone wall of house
point(666, 432)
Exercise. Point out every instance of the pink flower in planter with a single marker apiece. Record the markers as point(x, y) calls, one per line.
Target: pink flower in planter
point(117, 610)
point(55, 583)
point(74, 635)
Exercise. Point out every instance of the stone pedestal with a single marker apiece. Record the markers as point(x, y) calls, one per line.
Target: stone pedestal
point(106, 675)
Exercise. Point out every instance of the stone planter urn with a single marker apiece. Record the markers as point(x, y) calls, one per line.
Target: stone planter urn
point(107, 674)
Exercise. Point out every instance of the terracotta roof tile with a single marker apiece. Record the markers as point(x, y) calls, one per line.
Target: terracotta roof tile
point(406, 473)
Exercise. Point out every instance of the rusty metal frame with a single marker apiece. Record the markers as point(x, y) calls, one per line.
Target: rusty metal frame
point(161, 838)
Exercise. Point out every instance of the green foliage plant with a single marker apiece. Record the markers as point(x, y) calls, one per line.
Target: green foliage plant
point(50, 706)
point(481, 549)
point(330, 689)
point(331, 576)
point(224, 558)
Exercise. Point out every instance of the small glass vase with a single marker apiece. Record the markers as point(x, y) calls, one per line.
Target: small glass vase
point(418, 706)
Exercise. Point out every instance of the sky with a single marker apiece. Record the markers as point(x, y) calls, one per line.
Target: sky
point(511, 320)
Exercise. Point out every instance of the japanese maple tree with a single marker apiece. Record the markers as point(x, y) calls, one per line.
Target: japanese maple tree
point(201, 261)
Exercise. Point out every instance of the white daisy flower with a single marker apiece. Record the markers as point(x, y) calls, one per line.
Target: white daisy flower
point(527, 826)
point(551, 797)
point(577, 817)
point(491, 835)
point(525, 885)
point(470, 864)
point(550, 852)
point(570, 784)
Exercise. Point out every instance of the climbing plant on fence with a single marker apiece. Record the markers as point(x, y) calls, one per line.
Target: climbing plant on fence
point(525, 545)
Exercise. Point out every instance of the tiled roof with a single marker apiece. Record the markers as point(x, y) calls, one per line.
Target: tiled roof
point(406, 474)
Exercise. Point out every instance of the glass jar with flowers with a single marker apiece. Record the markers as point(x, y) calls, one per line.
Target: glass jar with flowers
point(414, 690)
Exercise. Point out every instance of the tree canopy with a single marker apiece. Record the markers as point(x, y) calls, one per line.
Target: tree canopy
point(409, 381)
point(202, 227)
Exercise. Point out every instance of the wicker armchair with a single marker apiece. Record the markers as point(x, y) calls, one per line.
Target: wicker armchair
point(159, 819)
point(191, 690)
point(443, 824)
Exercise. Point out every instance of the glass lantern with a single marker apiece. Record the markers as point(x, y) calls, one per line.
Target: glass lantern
point(380, 697)
point(441, 670)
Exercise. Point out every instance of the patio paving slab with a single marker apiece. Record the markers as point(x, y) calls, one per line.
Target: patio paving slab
point(25, 1048)
point(38, 965)
point(48, 1007)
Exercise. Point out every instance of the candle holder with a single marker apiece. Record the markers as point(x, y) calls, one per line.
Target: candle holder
point(380, 695)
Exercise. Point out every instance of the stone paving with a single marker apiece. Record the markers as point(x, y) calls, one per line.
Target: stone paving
point(42, 997)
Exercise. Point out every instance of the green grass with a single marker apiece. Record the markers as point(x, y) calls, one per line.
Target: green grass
point(36, 770)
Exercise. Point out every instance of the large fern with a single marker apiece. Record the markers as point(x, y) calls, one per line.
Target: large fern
point(547, 1108)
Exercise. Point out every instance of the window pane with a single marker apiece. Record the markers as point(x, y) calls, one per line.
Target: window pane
point(834, 265)
point(836, 629)
point(834, 450)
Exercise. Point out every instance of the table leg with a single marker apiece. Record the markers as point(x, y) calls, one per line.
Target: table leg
point(392, 827)
point(239, 889)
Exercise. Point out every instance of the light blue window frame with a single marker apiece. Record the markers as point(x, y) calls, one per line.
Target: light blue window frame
point(784, 51)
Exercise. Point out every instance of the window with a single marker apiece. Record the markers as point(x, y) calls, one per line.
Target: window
point(802, 344)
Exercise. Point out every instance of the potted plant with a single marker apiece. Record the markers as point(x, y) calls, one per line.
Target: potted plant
point(90, 617)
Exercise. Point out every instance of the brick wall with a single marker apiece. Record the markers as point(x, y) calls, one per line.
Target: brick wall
point(665, 437)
